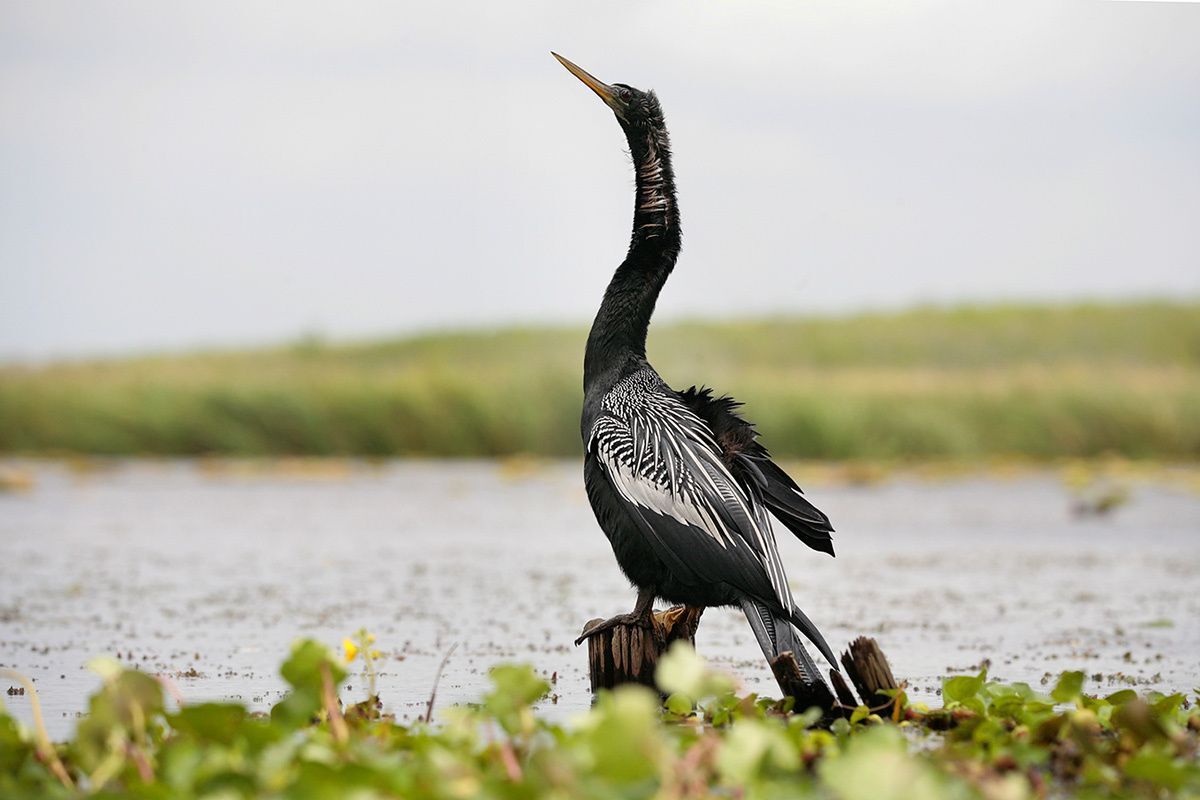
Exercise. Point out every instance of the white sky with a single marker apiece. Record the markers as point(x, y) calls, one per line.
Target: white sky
point(180, 174)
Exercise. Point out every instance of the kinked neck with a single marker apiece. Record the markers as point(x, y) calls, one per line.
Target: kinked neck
point(618, 336)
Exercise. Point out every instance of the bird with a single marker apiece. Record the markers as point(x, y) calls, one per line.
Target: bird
point(678, 480)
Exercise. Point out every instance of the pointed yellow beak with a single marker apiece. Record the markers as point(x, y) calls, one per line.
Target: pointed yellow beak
point(602, 90)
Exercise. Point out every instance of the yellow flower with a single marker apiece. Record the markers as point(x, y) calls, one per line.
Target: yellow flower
point(350, 649)
point(370, 638)
point(374, 654)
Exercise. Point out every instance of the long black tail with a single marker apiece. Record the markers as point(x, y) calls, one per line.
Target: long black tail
point(777, 635)
point(792, 508)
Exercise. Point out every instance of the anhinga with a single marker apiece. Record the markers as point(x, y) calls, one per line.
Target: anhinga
point(677, 480)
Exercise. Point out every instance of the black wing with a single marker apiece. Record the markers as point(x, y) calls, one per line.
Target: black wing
point(664, 463)
point(749, 460)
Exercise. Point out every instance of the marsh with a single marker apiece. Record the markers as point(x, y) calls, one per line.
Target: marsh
point(206, 571)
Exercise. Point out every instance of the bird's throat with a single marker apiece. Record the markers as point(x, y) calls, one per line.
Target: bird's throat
point(655, 215)
point(617, 342)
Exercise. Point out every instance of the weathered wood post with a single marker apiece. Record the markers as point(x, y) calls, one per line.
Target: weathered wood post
point(630, 653)
point(871, 674)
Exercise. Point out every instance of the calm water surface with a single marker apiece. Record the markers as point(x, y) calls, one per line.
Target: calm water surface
point(206, 573)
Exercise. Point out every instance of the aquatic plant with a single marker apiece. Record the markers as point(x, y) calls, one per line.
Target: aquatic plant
point(989, 740)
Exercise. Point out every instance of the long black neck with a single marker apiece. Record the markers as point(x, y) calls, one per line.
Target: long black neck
point(618, 335)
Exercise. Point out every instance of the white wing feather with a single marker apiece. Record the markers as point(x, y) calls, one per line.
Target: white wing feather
point(661, 457)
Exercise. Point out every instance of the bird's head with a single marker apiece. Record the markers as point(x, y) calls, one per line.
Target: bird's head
point(635, 110)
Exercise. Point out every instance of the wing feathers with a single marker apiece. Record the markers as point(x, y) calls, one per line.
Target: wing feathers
point(663, 460)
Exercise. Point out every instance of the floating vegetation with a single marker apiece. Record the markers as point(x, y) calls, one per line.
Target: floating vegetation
point(989, 740)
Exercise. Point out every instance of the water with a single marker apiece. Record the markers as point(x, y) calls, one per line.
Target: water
point(206, 572)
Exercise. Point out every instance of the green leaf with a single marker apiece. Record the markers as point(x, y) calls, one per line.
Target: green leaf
point(304, 666)
point(515, 687)
point(753, 747)
point(128, 706)
point(622, 738)
point(807, 718)
point(962, 688)
point(1157, 768)
point(681, 670)
point(519, 683)
point(877, 766)
point(210, 722)
point(1068, 688)
point(680, 704)
point(297, 709)
point(1165, 705)
point(860, 713)
point(14, 750)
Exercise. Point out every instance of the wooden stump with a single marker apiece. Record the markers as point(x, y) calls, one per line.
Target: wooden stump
point(870, 672)
point(630, 653)
point(792, 682)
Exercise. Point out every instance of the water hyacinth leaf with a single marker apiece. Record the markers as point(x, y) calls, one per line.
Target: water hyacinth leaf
point(14, 748)
point(1121, 697)
point(1068, 688)
point(1158, 768)
point(308, 662)
point(297, 709)
point(218, 722)
point(128, 700)
point(753, 747)
point(179, 765)
point(808, 718)
point(682, 670)
point(515, 687)
point(622, 737)
point(1164, 704)
point(622, 747)
point(878, 766)
point(126, 708)
point(519, 683)
point(962, 688)
point(679, 704)
point(107, 667)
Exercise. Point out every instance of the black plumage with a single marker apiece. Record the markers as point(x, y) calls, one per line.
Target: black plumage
point(678, 480)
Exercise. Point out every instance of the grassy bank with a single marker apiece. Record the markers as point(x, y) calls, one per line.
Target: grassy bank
point(1027, 381)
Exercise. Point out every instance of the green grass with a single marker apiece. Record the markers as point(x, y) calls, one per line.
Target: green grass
point(1037, 382)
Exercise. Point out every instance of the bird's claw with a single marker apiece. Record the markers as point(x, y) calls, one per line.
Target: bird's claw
point(641, 621)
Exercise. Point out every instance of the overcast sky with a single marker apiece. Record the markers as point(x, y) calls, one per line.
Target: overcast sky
point(186, 174)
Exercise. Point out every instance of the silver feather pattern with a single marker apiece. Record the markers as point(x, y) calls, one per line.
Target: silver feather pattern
point(662, 458)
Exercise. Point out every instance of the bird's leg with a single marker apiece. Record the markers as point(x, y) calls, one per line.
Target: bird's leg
point(642, 616)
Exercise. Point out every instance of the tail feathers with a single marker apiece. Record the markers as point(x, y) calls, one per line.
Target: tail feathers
point(776, 635)
point(789, 504)
point(806, 626)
